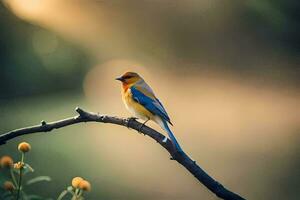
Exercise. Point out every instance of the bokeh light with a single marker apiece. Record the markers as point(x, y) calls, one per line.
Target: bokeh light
point(226, 72)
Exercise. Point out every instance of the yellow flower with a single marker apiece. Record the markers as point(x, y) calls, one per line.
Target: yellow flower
point(6, 161)
point(76, 181)
point(9, 186)
point(18, 165)
point(85, 185)
point(24, 147)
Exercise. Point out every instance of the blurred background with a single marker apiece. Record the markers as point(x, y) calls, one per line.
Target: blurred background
point(227, 72)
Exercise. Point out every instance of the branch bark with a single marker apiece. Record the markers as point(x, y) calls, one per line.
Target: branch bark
point(181, 157)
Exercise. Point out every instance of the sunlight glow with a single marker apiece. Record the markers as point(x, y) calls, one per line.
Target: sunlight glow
point(27, 9)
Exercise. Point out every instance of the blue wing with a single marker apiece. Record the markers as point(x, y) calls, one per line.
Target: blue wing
point(153, 105)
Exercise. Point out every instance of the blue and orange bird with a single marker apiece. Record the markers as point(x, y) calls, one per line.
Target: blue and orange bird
point(140, 100)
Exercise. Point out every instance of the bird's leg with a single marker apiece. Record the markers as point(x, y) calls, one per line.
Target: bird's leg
point(128, 121)
point(143, 124)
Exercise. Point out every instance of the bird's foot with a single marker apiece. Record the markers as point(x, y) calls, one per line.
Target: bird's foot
point(128, 120)
point(142, 125)
point(165, 140)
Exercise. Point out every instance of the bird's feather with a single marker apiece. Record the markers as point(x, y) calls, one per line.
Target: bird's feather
point(151, 104)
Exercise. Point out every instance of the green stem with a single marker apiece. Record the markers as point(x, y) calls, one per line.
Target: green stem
point(20, 177)
point(80, 193)
point(20, 183)
point(75, 194)
point(22, 158)
point(13, 177)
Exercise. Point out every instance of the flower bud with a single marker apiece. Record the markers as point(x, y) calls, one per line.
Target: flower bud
point(9, 186)
point(85, 185)
point(6, 161)
point(76, 181)
point(24, 147)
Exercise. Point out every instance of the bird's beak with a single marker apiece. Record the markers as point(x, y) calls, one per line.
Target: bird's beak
point(120, 79)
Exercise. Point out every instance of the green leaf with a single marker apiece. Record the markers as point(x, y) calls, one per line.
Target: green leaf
point(38, 179)
point(25, 196)
point(34, 197)
point(27, 168)
point(70, 189)
point(61, 196)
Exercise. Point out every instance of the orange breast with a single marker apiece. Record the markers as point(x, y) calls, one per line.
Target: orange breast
point(125, 86)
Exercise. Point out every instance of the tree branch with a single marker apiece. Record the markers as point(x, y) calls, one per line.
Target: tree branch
point(181, 157)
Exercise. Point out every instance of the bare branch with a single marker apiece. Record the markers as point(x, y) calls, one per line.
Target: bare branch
point(181, 157)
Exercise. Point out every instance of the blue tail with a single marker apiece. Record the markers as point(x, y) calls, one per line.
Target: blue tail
point(171, 135)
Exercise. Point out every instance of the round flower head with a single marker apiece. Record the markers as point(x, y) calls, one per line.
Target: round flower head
point(24, 147)
point(6, 161)
point(76, 181)
point(9, 186)
point(85, 185)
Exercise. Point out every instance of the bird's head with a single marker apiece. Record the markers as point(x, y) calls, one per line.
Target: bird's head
point(129, 78)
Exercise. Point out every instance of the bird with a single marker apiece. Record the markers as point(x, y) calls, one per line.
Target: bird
point(141, 101)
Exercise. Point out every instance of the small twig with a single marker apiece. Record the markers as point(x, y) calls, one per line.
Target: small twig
point(181, 157)
point(20, 176)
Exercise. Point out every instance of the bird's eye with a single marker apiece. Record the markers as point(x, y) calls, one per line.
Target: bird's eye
point(127, 77)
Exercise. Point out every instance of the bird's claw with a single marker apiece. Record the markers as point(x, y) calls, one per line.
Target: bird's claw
point(141, 126)
point(128, 121)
